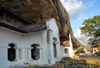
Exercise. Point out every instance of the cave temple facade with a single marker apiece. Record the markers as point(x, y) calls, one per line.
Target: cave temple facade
point(23, 43)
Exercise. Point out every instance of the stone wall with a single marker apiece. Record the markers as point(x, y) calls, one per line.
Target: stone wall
point(68, 63)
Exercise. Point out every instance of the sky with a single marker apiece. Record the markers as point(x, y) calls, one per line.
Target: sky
point(78, 11)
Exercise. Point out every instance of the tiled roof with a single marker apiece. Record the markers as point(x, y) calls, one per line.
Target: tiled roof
point(65, 43)
point(10, 26)
point(29, 28)
point(35, 27)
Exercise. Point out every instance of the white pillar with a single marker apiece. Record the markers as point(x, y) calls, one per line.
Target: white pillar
point(24, 53)
point(17, 53)
point(41, 52)
point(50, 47)
point(6, 50)
point(29, 53)
point(4, 62)
point(57, 50)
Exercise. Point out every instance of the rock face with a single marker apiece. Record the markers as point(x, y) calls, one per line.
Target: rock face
point(37, 11)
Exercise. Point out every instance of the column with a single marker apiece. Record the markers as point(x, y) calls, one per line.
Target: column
point(6, 50)
point(58, 48)
point(41, 52)
point(50, 48)
point(23, 54)
point(4, 62)
point(29, 53)
point(17, 53)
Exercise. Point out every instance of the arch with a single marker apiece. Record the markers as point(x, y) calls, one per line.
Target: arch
point(11, 52)
point(54, 38)
point(35, 52)
point(37, 43)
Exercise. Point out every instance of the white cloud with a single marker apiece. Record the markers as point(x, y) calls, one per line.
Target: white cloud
point(78, 34)
point(86, 18)
point(62, 1)
point(81, 38)
point(83, 25)
point(73, 6)
point(76, 7)
point(79, 18)
point(82, 17)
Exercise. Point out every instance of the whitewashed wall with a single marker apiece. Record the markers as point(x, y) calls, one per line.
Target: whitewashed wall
point(86, 51)
point(24, 41)
point(95, 50)
point(6, 37)
point(51, 24)
point(63, 54)
point(70, 49)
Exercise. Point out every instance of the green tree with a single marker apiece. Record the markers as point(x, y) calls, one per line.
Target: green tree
point(91, 29)
point(79, 50)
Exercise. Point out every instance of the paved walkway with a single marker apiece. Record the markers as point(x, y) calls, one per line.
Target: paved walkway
point(91, 56)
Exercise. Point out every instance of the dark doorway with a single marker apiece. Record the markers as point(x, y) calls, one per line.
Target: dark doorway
point(11, 52)
point(35, 53)
point(54, 50)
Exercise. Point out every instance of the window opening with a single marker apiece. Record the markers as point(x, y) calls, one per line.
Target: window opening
point(66, 50)
point(35, 52)
point(11, 52)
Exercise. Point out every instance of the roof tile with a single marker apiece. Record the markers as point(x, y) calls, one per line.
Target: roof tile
point(35, 27)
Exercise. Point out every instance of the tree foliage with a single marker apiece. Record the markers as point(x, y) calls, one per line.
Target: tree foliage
point(79, 50)
point(91, 29)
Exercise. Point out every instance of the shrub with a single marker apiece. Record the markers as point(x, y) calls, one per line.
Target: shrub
point(79, 50)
